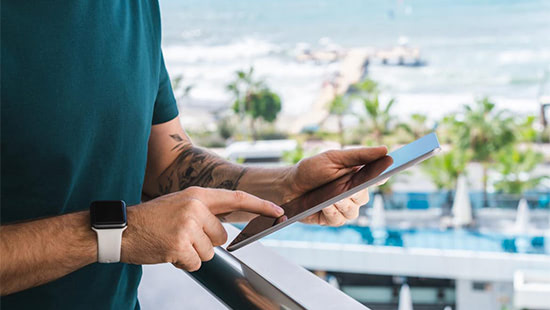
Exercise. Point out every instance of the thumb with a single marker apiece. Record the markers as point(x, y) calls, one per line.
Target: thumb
point(357, 156)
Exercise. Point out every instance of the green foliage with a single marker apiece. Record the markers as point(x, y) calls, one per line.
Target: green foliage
point(293, 157)
point(445, 168)
point(338, 107)
point(480, 132)
point(515, 167)
point(263, 104)
point(225, 128)
point(271, 134)
point(483, 131)
point(379, 119)
point(525, 131)
point(366, 86)
point(545, 135)
point(416, 127)
point(254, 98)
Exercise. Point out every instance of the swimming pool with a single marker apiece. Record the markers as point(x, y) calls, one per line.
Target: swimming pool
point(450, 239)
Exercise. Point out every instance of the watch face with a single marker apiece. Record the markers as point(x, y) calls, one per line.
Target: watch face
point(108, 214)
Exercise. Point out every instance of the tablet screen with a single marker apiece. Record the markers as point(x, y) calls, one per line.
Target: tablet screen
point(340, 188)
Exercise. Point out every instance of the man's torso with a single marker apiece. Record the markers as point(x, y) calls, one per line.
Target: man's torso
point(79, 83)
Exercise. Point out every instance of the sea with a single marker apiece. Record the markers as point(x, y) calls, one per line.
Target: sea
point(472, 48)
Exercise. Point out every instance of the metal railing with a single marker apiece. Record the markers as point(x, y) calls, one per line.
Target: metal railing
point(253, 277)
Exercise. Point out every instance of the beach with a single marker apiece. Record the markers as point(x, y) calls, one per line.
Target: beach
point(465, 57)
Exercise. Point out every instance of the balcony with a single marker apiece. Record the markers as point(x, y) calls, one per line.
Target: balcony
point(253, 277)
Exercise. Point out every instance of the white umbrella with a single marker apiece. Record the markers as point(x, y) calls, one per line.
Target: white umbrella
point(378, 213)
point(405, 299)
point(462, 207)
point(522, 217)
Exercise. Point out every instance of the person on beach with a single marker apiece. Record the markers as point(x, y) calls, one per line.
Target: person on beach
point(88, 115)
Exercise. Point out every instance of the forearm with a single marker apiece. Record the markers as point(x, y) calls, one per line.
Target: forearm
point(174, 164)
point(194, 166)
point(40, 251)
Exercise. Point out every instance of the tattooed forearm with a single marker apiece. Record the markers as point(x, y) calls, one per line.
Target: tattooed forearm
point(197, 167)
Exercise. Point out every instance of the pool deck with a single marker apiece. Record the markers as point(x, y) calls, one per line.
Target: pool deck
point(416, 262)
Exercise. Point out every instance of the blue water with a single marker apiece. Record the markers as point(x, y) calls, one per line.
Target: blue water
point(425, 200)
point(416, 238)
point(473, 48)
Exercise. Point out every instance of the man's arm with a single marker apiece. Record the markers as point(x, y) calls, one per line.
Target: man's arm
point(174, 164)
point(180, 228)
point(37, 252)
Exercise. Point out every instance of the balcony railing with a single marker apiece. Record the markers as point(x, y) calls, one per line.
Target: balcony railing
point(253, 277)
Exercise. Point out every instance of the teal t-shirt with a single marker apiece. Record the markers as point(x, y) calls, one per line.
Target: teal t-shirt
point(81, 84)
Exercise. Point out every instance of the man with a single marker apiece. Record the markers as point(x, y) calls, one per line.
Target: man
point(88, 115)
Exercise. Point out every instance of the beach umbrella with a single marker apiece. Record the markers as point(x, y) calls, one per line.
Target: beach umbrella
point(378, 214)
point(462, 207)
point(405, 298)
point(522, 217)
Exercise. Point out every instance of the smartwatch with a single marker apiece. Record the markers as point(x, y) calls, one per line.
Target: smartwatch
point(108, 220)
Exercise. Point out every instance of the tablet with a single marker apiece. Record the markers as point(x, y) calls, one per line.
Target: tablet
point(343, 187)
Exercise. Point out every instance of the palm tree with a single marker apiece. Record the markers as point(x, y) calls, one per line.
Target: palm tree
point(482, 132)
point(379, 118)
point(444, 171)
point(445, 168)
point(515, 168)
point(242, 86)
point(254, 98)
point(416, 127)
point(366, 86)
point(338, 107)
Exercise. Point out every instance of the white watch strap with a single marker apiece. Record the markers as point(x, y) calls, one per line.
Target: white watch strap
point(109, 244)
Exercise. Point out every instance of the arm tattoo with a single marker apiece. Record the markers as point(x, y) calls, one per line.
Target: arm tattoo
point(197, 167)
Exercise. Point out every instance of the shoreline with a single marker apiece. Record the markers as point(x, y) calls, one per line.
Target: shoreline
point(352, 70)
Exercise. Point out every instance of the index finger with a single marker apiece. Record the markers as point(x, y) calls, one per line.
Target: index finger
point(358, 156)
point(221, 201)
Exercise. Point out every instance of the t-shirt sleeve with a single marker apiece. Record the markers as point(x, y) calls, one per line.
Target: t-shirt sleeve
point(165, 108)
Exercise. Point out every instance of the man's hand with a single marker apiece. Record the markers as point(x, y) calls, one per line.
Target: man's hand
point(174, 164)
point(317, 170)
point(182, 228)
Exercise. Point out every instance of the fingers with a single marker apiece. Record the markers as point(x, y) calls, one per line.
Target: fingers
point(316, 218)
point(196, 249)
point(221, 201)
point(340, 212)
point(190, 261)
point(332, 216)
point(203, 246)
point(360, 198)
point(214, 229)
point(347, 208)
point(357, 156)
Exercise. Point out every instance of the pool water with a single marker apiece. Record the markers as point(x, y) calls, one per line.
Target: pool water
point(450, 239)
